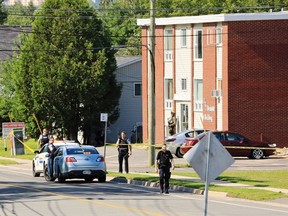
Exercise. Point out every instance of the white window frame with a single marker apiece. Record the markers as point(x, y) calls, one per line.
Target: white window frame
point(168, 44)
point(168, 86)
point(196, 44)
point(219, 36)
point(184, 84)
point(183, 37)
point(198, 99)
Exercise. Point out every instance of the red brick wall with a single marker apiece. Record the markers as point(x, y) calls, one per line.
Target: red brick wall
point(159, 85)
point(209, 76)
point(144, 85)
point(258, 79)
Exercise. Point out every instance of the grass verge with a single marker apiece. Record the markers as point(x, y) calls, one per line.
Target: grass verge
point(244, 193)
point(7, 162)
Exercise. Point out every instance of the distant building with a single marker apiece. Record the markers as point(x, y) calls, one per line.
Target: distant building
point(129, 73)
point(220, 72)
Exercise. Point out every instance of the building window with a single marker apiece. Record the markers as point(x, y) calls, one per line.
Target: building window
point(198, 94)
point(219, 36)
point(198, 44)
point(168, 42)
point(184, 84)
point(168, 93)
point(183, 38)
point(137, 89)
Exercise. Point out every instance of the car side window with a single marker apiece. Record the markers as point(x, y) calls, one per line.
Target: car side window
point(60, 152)
point(220, 136)
point(44, 149)
point(234, 137)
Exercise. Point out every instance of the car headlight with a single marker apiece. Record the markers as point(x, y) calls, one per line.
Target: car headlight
point(272, 145)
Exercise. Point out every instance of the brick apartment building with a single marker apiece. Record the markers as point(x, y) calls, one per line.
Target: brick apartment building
point(220, 72)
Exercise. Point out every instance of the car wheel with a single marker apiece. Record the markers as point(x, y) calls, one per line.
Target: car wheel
point(35, 174)
point(46, 176)
point(89, 179)
point(178, 153)
point(60, 177)
point(257, 154)
point(102, 179)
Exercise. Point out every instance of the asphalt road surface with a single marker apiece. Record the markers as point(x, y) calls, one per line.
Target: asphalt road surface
point(23, 195)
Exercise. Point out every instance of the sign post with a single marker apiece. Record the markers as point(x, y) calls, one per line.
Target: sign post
point(104, 118)
point(16, 132)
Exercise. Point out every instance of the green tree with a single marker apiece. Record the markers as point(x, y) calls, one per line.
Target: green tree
point(20, 15)
point(3, 13)
point(64, 72)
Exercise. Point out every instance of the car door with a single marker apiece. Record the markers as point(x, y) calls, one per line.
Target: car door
point(40, 158)
point(58, 160)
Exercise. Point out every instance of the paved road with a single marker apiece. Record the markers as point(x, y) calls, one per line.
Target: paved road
point(139, 162)
point(23, 195)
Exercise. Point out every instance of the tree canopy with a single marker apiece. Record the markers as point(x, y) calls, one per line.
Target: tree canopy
point(3, 13)
point(64, 71)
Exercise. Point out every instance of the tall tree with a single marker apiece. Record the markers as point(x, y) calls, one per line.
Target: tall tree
point(64, 72)
point(3, 13)
point(20, 15)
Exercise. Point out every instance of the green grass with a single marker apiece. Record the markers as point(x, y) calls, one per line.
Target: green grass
point(29, 148)
point(237, 192)
point(7, 162)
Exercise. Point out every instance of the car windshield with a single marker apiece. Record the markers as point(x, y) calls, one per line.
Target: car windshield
point(72, 151)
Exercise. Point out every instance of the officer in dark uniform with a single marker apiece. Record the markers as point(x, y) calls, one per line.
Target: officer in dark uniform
point(164, 160)
point(124, 151)
point(43, 138)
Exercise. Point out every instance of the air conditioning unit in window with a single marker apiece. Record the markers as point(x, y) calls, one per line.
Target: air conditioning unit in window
point(216, 93)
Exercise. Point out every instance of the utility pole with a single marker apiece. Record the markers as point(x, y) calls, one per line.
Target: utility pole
point(151, 85)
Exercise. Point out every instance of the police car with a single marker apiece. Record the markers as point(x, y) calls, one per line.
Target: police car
point(42, 156)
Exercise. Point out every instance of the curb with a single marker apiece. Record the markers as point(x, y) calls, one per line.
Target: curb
point(156, 185)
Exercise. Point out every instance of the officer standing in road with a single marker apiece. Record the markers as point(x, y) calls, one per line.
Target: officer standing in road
point(124, 151)
point(51, 149)
point(164, 160)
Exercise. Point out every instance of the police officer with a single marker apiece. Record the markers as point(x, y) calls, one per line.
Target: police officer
point(51, 149)
point(124, 151)
point(163, 163)
point(43, 138)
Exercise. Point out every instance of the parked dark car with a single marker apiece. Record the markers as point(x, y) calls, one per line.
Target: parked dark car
point(236, 144)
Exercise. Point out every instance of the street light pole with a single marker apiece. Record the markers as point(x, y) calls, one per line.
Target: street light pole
point(151, 85)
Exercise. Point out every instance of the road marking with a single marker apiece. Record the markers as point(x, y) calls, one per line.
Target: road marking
point(102, 203)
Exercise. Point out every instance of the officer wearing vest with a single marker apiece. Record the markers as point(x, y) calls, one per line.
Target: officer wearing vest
point(163, 163)
point(43, 138)
point(124, 151)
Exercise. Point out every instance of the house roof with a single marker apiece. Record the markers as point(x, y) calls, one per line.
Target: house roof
point(283, 15)
point(123, 61)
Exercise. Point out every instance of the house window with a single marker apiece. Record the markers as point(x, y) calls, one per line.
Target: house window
point(219, 36)
point(137, 89)
point(168, 42)
point(184, 84)
point(168, 93)
point(198, 94)
point(198, 44)
point(183, 38)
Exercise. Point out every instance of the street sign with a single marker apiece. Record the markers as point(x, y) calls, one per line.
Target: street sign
point(7, 127)
point(104, 117)
point(219, 158)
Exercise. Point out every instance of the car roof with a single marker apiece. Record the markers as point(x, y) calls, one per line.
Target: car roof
point(66, 142)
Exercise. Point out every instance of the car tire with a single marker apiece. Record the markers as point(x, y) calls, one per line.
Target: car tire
point(102, 178)
point(257, 154)
point(35, 174)
point(60, 177)
point(46, 176)
point(178, 153)
point(89, 179)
